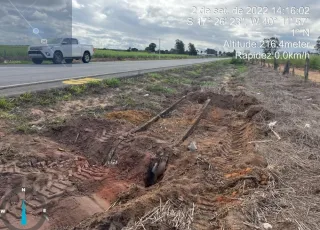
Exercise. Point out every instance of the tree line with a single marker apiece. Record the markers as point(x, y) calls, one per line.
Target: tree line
point(180, 48)
point(272, 45)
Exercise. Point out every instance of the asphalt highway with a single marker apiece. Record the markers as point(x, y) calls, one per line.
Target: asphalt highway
point(15, 77)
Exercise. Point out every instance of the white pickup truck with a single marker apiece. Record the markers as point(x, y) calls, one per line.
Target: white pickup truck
point(59, 50)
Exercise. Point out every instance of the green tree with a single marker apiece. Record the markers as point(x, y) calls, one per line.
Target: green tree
point(152, 47)
point(173, 51)
point(270, 45)
point(317, 47)
point(179, 47)
point(192, 50)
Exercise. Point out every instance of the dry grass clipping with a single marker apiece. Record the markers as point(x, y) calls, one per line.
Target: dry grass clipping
point(291, 200)
point(169, 215)
point(133, 116)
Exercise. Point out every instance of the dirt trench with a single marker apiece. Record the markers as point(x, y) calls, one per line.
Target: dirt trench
point(100, 165)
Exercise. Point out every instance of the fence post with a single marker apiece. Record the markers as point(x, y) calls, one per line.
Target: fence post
point(306, 69)
point(293, 73)
point(275, 63)
point(286, 69)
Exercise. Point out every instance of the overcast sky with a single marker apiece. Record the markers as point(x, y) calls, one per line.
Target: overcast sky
point(136, 23)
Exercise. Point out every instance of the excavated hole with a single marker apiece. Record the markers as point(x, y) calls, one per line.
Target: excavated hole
point(137, 155)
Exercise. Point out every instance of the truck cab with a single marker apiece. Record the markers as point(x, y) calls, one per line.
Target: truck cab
point(61, 49)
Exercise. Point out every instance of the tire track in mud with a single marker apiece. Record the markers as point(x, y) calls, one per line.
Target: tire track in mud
point(209, 205)
point(51, 185)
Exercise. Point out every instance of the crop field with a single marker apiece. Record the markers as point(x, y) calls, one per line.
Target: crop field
point(20, 53)
point(136, 55)
point(13, 51)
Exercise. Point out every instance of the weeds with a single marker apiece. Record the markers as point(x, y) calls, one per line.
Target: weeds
point(242, 68)
point(159, 89)
point(5, 115)
point(67, 97)
point(77, 89)
point(5, 103)
point(94, 83)
point(208, 84)
point(237, 61)
point(112, 82)
point(26, 97)
point(193, 73)
point(24, 128)
point(177, 80)
point(155, 76)
point(126, 100)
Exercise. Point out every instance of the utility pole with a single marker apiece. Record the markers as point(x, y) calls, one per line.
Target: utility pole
point(159, 48)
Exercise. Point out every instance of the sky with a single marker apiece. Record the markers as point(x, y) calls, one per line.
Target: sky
point(119, 24)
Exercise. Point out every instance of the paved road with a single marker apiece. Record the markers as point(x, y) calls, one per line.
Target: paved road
point(28, 74)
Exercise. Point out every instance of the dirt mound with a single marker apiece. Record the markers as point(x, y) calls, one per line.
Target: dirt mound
point(92, 137)
point(101, 142)
point(259, 114)
point(239, 102)
point(133, 116)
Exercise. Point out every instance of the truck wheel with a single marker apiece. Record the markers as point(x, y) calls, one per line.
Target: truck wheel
point(68, 61)
point(86, 57)
point(37, 60)
point(57, 57)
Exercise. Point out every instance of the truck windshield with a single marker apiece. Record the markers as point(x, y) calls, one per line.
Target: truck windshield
point(54, 41)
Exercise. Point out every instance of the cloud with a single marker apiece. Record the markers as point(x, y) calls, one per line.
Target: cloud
point(37, 16)
point(76, 5)
point(136, 23)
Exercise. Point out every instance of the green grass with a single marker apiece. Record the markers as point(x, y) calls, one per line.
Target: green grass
point(194, 73)
point(242, 68)
point(208, 84)
point(24, 128)
point(177, 80)
point(237, 61)
point(26, 97)
point(125, 100)
point(5, 104)
point(160, 89)
point(155, 75)
point(6, 115)
point(67, 97)
point(112, 82)
point(94, 83)
point(77, 89)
